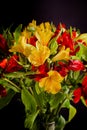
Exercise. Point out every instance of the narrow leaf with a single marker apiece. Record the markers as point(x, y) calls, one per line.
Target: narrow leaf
point(17, 32)
point(61, 123)
point(72, 112)
point(29, 121)
point(53, 46)
point(28, 100)
point(8, 84)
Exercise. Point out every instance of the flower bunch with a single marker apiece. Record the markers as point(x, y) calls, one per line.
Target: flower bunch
point(47, 66)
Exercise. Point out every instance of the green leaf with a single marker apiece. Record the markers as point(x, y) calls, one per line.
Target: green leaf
point(14, 75)
point(61, 123)
point(70, 31)
point(53, 45)
point(37, 88)
point(8, 84)
point(82, 53)
point(4, 101)
point(17, 32)
point(76, 75)
point(8, 36)
point(30, 118)
point(66, 104)
point(56, 99)
point(72, 112)
point(28, 100)
point(28, 82)
point(83, 101)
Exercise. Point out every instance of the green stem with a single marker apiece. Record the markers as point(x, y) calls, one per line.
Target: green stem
point(59, 108)
point(13, 85)
point(23, 86)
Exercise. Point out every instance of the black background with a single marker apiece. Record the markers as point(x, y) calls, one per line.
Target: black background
point(70, 12)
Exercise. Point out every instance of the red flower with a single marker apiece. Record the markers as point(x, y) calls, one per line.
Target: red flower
point(3, 91)
point(37, 77)
point(59, 27)
point(66, 40)
point(42, 72)
point(77, 94)
point(3, 63)
point(43, 69)
point(3, 44)
point(61, 68)
point(33, 40)
point(84, 87)
point(13, 65)
point(81, 91)
point(76, 65)
point(84, 83)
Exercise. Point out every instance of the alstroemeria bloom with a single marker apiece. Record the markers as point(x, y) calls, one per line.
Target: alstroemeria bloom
point(44, 33)
point(61, 68)
point(76, 65)
point(39, 54)
point(81, 91)
point(12, 64)
point(22, 47)
point(51, 83)
point(3, 44)
point(41, 72)
point(77, 95)
point(3, 63)
point(63, 54)
point(66, 40)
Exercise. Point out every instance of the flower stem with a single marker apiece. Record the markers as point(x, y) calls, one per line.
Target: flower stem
point(13, 86)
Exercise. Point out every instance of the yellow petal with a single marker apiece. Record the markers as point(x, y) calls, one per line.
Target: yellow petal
point(44, 33)
point(22, 47)
point(62, 55)
point(19, 47)
point(52, 83)
point(39, 54)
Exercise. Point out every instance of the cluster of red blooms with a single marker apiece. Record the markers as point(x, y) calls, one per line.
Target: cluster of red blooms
point(7, 65)
point(67, 40)
point(74, 65)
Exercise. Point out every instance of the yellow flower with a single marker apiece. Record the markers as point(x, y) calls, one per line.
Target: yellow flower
point(26, 34)
point(32, 24)
point(63, 54)
point(36, 55)
point(44, 33)
point(52, 83)
point(22, 47)
point(39, 54)
point(29, 31)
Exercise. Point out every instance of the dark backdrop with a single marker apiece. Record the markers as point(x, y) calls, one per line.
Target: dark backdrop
point(70, 12)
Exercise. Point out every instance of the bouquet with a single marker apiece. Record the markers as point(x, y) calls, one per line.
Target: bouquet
point(47, 66)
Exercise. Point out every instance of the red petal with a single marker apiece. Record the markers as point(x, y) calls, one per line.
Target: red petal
point(77, 95)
